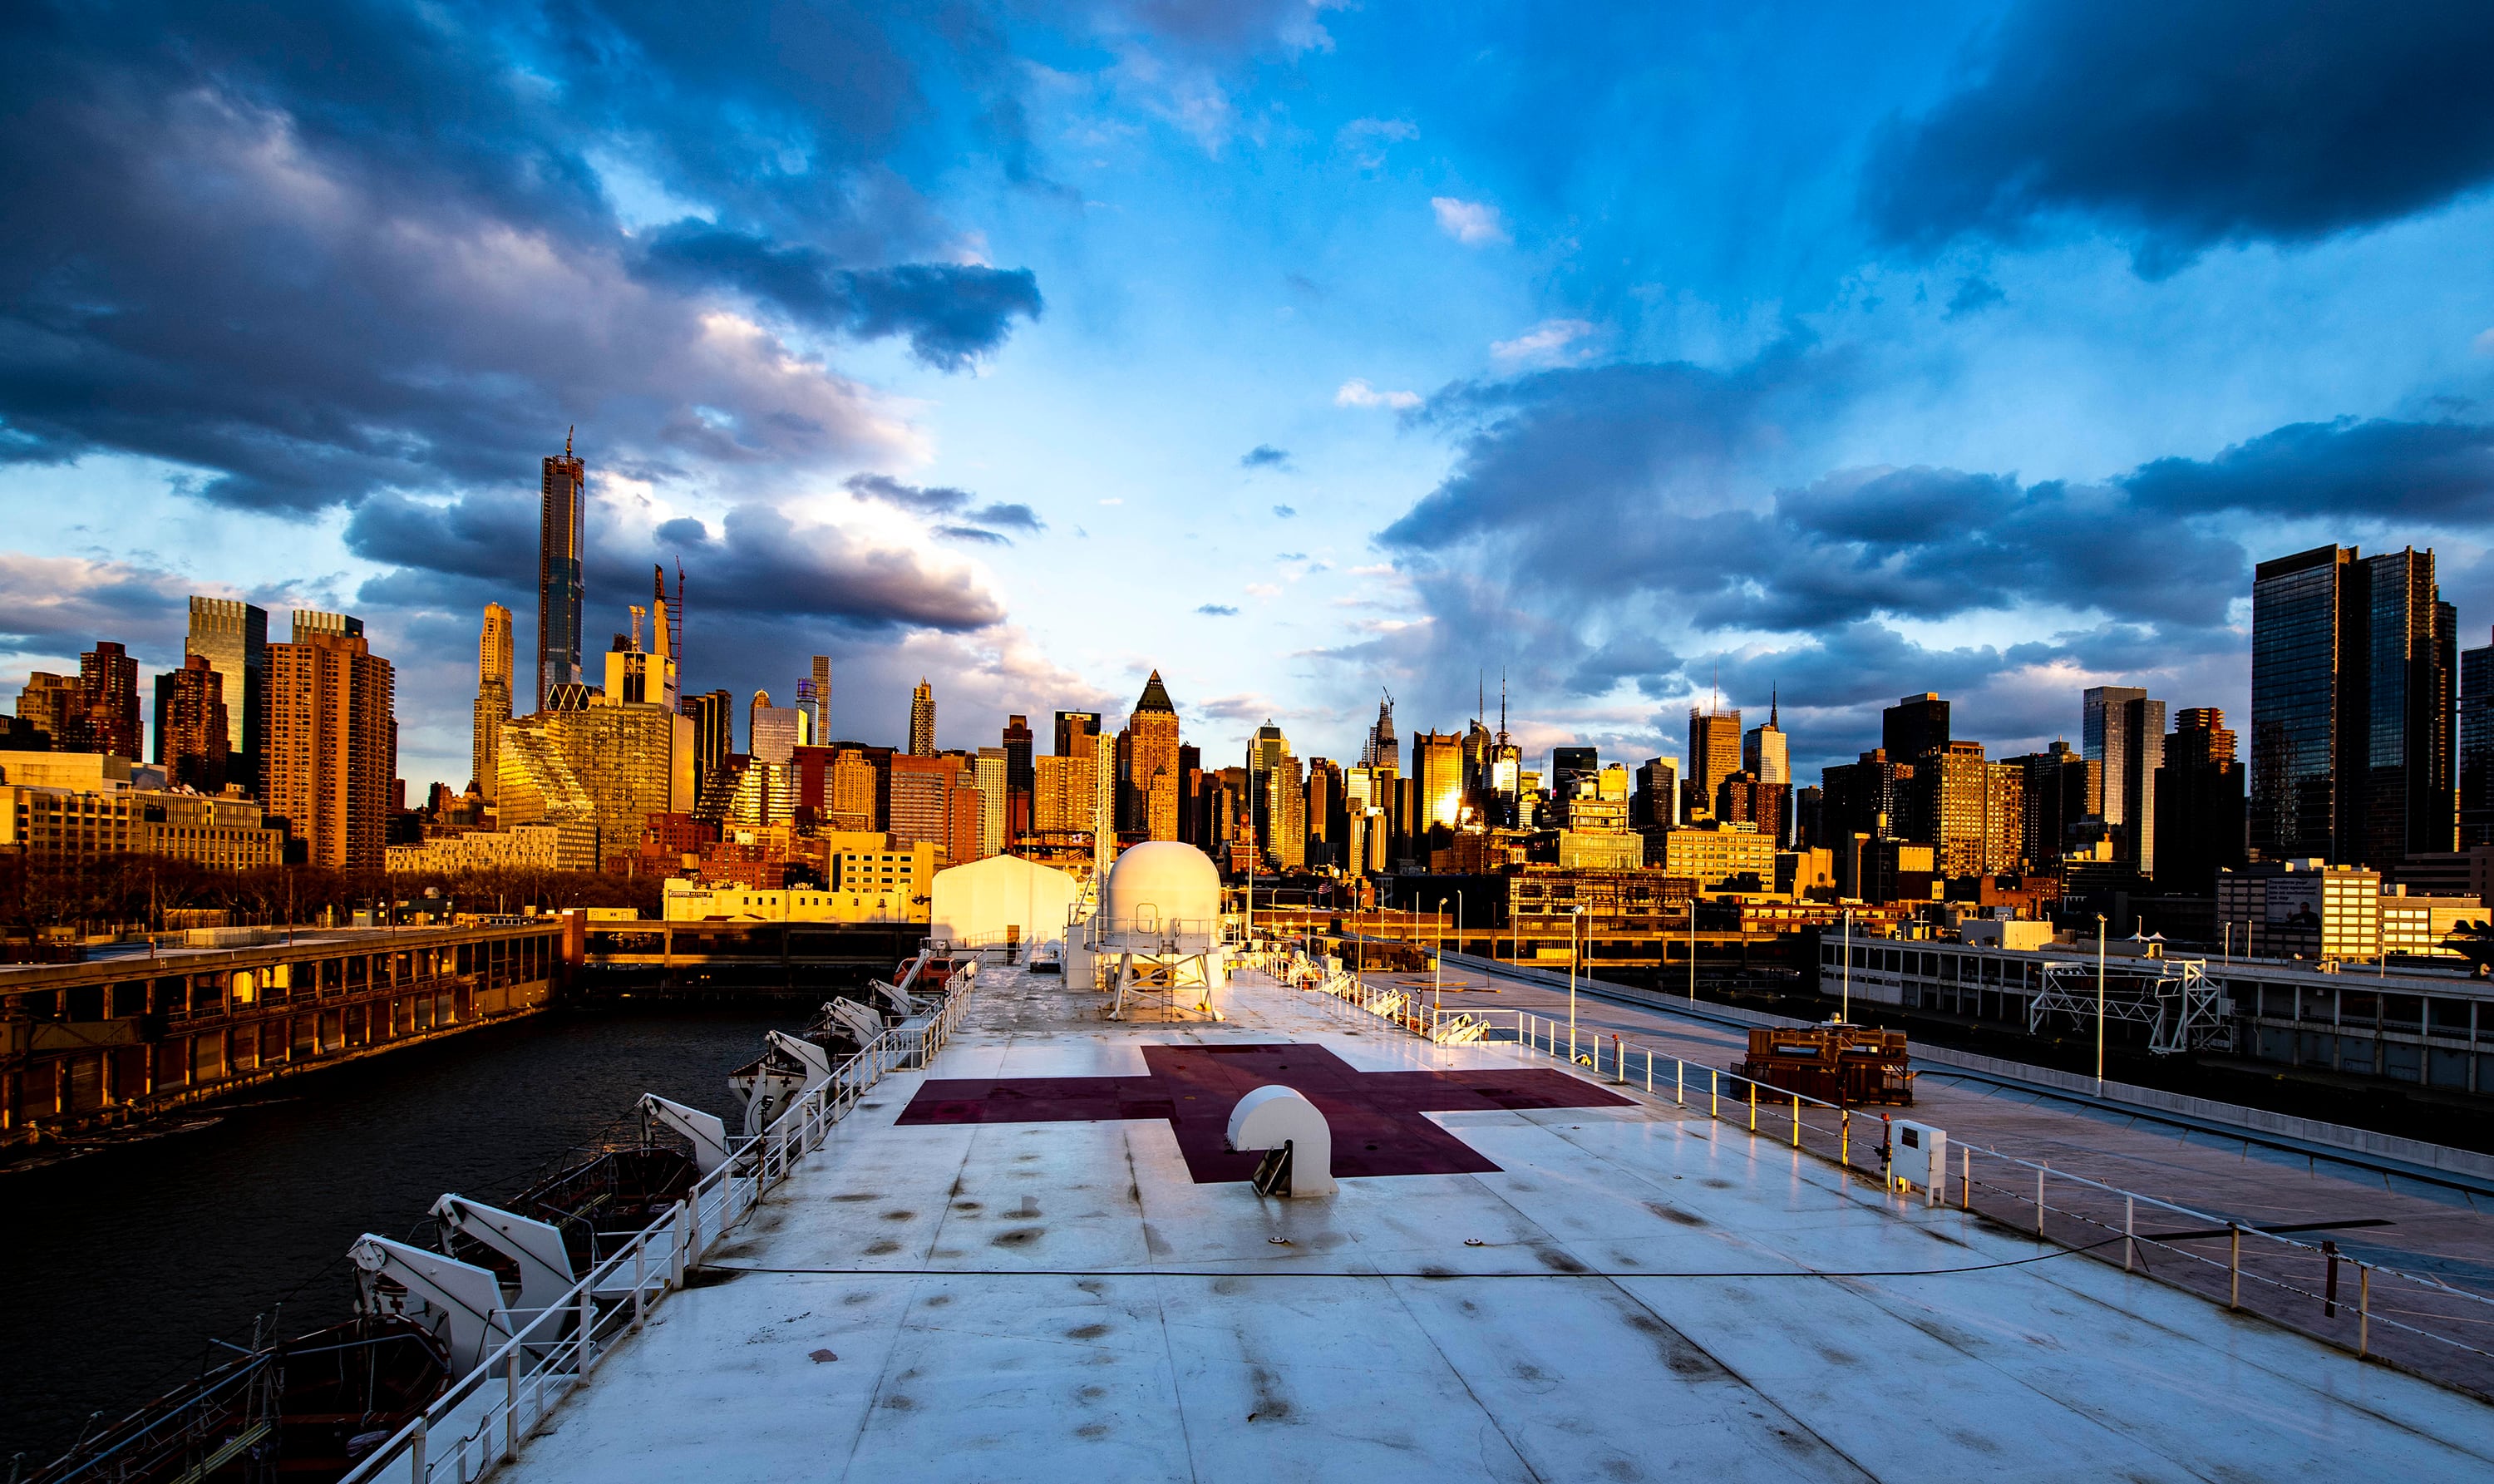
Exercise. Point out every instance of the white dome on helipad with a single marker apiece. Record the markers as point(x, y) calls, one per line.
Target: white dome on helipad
point(1161, 882)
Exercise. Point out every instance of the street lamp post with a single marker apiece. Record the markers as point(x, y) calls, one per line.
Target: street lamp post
point(1576, 921)
point(1844, 1014)
point(2100, 1003)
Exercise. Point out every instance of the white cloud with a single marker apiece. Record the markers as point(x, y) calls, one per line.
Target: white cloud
point(1470, 222)
point(2484, 343)
point(1357, 393)
point(1115, 500)
point(1548, 341)
point(1367, 139)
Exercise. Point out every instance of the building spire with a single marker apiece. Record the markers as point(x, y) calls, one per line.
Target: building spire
point(1771, 709)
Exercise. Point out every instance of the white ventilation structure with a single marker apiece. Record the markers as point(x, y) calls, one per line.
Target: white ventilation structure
point(1294, 1137)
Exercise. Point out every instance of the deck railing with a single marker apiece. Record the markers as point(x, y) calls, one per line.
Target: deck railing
point(481, 1420)
point(2286, 1274)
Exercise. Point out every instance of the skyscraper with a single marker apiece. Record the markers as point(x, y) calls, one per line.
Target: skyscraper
point(2352, 697)
point(2476, 748)
point(1766, 755)
point(1438, 763)
point(2062, 786)
point(332, 749)
point(822, 700)
point(2199, 804)
point(714, 719)
point(1381, 750)
point(1077, 733)
point(1572, 769)
point(922, 719)
point(1714, 752)
point(51, 702)
point(308, 621)
point(2124, 736)
point(1150, 796)
point(1019, 778)
point(192, 734)
point(988, 774)
point(492, 705)
point(233, 636)
point(560, 514)
point(771, 732)
point(1914, 728)
point(108, 685)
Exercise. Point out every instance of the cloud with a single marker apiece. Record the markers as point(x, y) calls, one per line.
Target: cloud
point(973, 534)
point(1265, 456)
point(1285, 512)
point(1357, 393)
point(1115, 500)
point(2186, 124)
point(57, 606)
point(1470, 222)
point(944, 500)
point(1974, 294)
point(1367, 139)
point(314, 252)
point(761, 560)
point(1218, 610)
point(2433, 474)
point(1548, 341)
point(1016, 517)
point(950, 312)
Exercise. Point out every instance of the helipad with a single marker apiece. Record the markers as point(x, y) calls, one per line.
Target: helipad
point(1623, 1292)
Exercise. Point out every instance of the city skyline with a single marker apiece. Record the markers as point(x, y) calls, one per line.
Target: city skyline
point(1856, 370)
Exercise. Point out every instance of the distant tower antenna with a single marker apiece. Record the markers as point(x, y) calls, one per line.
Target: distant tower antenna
point(566, 439)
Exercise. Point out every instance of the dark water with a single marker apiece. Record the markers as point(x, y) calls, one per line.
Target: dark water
point(116, 1269)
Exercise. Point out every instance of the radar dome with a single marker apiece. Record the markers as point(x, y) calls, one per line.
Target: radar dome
point(1165, 891)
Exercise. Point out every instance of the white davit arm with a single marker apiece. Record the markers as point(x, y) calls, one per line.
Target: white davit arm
point(816, 1062)
point(545, 1263)
point(707, 1131)
point(860, 1022)
point(470, 1298)
point(899, 996)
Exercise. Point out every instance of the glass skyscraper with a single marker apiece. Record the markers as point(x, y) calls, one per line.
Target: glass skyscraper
point(2477, 746)
point(2353, 662)
point(234, 638)
point(559, 576)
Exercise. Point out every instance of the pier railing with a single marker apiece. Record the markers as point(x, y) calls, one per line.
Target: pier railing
point(2288, 1273)
point(481, 1420)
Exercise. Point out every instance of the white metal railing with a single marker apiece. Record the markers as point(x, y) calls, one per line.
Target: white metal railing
point(480, 1421)
point(2314, 1289)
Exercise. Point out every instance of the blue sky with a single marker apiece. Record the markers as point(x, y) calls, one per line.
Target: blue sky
point(1296, 352)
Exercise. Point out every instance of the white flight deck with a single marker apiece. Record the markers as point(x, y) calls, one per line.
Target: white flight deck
point(1060, 1301)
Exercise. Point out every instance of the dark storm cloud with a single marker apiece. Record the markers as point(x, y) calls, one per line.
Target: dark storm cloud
point(315, 251)
point(2191, 122)
point(1265, 456)
point(950, 312)
point(2436, 475)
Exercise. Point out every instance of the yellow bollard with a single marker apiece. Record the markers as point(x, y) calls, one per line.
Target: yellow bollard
point(1753, 1108)
point(1796, 1120)
point(1844, 1139)
point(1714, 1095)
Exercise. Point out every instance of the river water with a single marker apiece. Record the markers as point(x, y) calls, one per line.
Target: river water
point(117, 1268)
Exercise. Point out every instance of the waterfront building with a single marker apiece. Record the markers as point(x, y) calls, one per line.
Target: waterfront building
point(1151, 779)
point(2301, 909)
point(922, 719)
point(1712, 854)
point(193, 734)
point(2125, 737)
point(233, 636)
point(71, 824)
point(493, 706)
point(561, 506)
point(332, 742)
point(2476, 765)
point(2352, 694)
point(548, 847)
point(109, 688)
point(2199, 804)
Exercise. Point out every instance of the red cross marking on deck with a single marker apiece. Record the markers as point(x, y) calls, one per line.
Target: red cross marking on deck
point(1375, 1115)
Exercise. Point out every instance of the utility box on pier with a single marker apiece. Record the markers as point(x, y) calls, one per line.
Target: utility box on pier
point(1918, 1157)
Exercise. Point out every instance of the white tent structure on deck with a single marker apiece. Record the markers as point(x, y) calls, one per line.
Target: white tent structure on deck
point(999, 903)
